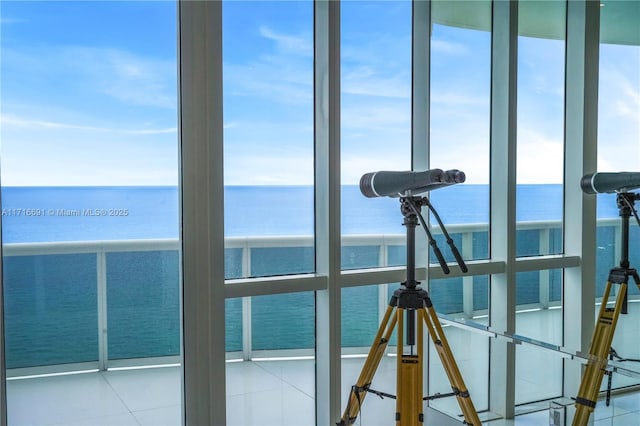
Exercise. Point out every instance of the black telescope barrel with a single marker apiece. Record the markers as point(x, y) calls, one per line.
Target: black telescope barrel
point(606, 182)
point(386, 183)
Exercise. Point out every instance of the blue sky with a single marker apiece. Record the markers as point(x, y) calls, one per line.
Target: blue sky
point(89, 95)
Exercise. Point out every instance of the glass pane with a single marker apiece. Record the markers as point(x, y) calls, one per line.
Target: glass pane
point(375, 121)
point(282, 386)
point(50, 309)
point(460, 116)
point(281, 260)
point(143, 304)
point(360, 316)
point(90, 210)
point(281, 373)
point(283, 321)
point(362, 312)
point(538, 317)
point(268, 135)
point(233, 324)
point(541, 75)
point(474, 369)
point(462, 298)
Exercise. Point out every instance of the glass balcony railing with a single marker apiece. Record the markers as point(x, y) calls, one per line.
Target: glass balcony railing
point(100, 302)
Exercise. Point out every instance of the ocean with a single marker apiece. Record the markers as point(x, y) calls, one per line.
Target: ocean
point(50, 300)
point(46, 214)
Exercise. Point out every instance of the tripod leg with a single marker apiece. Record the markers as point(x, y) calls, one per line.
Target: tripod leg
point(359, 390)
point(409, 379)
point(450, 366)
point(636, 278)
point(598, 355)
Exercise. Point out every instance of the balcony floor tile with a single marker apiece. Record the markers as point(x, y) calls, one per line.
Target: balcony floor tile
point(265, 393)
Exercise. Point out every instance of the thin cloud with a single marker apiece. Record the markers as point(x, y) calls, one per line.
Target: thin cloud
point(447, 47)
point(278, 79)
point(279, 168)
point(128, 77)
point(9, 21)
point(380, 116)
point(354, 166)
point(629, 102)
point(11, 120)
point(540, 159)
point(283, 73)
point(262, 81)
point(616, 85)
point(135, 79)
point(297, 44)
point(367, 81)
point(458, 99)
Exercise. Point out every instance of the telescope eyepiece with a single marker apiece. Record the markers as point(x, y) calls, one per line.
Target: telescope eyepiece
point(453, 176)
point(366, 185)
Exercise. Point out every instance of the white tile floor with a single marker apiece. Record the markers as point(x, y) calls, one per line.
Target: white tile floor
point(266, 393)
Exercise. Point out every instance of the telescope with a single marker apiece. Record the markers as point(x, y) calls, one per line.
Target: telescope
point(403, 184)
point(610, 182)
point(412, 305)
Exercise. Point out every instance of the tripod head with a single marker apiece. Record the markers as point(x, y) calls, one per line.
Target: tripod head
point(625, 202)
point(410, 208)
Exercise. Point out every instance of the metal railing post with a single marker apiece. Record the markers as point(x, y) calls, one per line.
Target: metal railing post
point(544, 275)
point(467, 281)
point(101, 295)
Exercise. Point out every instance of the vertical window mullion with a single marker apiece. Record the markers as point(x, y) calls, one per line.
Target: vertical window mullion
point(581, 110)
point(420, 119)
point(202, 202)
point(502, 192)
point(420, 95)
point(327, 207)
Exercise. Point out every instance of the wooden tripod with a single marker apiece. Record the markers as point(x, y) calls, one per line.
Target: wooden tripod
point(409, 301)
point(607, 320)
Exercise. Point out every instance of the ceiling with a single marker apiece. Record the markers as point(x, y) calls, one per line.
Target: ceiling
point(619, 19)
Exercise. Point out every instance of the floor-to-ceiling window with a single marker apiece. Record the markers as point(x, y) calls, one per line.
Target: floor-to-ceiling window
point(90, 205)
point(375, 135)
point(459, 95)
point(539, 195)
point(90, 209)
point(268, 105)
